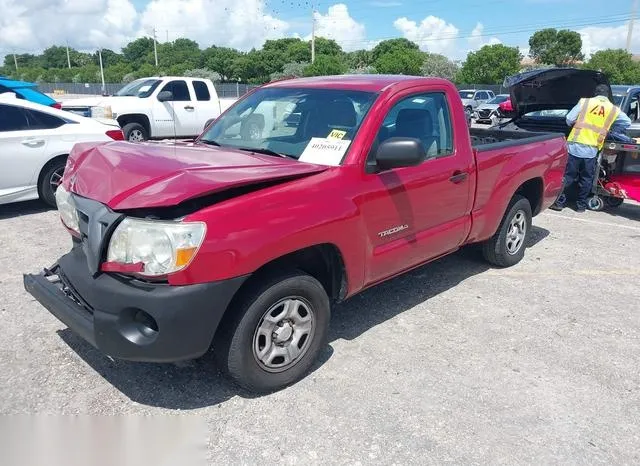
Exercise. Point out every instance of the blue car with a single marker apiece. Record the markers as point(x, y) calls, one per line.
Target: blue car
point(26, 91)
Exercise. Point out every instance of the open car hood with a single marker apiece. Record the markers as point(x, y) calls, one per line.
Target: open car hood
point(552, 89)
point(124, 176)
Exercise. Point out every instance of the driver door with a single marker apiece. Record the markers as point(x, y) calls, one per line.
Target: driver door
point(176, 117)
point(414, 214)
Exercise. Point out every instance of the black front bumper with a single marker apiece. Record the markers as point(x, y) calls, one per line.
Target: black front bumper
point(131, 319)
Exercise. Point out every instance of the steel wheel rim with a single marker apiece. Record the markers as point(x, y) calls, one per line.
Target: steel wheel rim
point(516, 232)
point(284, 334)
point(56, 179)
point(136, 136)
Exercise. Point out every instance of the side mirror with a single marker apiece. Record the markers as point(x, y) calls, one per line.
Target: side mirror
point(165, 96)
point(400, 152)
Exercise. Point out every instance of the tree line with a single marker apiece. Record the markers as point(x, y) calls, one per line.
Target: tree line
point(291, 57)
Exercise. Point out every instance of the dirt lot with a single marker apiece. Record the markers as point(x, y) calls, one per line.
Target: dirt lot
point(454, 362)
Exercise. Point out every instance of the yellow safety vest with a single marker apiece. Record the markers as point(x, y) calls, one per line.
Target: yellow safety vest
point(596, 116)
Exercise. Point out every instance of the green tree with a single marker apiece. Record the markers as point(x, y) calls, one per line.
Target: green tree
point(392, 46)
point(438, 65)
point(617, 64)
point(359, 59)
point(290, 70)
point(553, 47)
point(109, 58)
point(183, 53)
point(221, 60)
point(400, 61)
point(325, 65)
point(490, 65)
point(55, 57)
point(325, 46)
point(139, 51)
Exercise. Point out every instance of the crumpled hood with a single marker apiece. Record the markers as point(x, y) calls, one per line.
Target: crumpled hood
point(124, 175)
point(552, 89)
point(487, 107)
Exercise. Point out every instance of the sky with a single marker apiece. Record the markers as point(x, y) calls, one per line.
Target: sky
point(450, 27)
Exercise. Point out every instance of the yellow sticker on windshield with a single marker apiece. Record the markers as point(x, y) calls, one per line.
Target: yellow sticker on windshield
point(336, 134)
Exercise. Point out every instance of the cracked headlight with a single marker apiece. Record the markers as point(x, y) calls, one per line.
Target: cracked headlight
point(154, 248)
point(67, 209)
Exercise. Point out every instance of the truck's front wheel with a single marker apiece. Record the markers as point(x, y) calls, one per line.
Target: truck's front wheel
point(275, 332)
point(506, 247)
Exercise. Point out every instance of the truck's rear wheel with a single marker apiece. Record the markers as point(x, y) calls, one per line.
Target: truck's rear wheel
point(506, 247)
point(275, 332)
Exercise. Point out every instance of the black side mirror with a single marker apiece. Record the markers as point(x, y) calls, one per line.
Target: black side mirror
point(400, 152)
point(165, 96)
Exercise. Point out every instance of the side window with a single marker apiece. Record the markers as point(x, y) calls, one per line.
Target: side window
point(425, 117)
point(12, 119)
point(39, 120)
point(179, 90)
point(202, 91)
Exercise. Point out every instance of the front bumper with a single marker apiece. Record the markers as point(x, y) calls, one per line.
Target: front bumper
point(130, 319)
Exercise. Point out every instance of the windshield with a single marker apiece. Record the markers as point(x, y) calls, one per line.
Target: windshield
point(498, 99)
point(139, 88)
point(617, 99)
point(284, 121)
point(466, 94)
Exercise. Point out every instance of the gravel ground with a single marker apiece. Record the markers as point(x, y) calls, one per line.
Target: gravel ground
point(454, 362)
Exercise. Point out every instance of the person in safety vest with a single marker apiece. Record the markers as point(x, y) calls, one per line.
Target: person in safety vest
point(591, 118)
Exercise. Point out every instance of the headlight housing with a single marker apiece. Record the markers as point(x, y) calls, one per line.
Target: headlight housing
point(161, 247)
point(67, 209)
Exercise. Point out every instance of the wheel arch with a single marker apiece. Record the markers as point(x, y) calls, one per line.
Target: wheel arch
point(139, 118)
point(532, 190)
point(46, 166)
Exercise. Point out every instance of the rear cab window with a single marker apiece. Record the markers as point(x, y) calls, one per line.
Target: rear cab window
point(202, 91)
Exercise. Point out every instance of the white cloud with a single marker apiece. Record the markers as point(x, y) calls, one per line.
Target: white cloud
point(433, 34)
point(596, 38)
point(32, 25)
point(338, 25)
point(477, 40)
point(241, 24)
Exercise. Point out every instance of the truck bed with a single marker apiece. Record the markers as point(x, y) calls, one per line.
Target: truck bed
point(491, 139)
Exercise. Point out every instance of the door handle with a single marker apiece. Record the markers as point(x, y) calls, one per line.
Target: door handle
point(188, 107)
point(458, 177)
point(33, 142)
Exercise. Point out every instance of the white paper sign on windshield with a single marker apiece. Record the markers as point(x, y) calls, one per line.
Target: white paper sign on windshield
point(324, 151)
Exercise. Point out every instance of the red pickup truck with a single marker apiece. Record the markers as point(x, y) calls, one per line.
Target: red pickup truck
point(243, 239)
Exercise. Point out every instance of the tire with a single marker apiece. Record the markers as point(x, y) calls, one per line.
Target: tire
point(135, 132)
point(613, 202)
point(595, 203)
point(503, 250)
point(49, 180)
point(242, 347)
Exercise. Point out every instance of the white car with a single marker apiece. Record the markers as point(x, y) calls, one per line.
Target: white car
point(34, 143)
point(471, 98)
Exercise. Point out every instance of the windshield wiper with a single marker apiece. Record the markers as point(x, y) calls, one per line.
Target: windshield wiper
point(259, 150)
point(210, 143)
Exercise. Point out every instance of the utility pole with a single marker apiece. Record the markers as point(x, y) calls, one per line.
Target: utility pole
point(634, 8)
point(15, 60)
point(155, 46)
point(68, 59)
point(102, 72)
point(313, 35)
point(167, 35)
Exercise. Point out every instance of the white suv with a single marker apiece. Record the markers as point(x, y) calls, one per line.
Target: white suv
point(471, 98)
